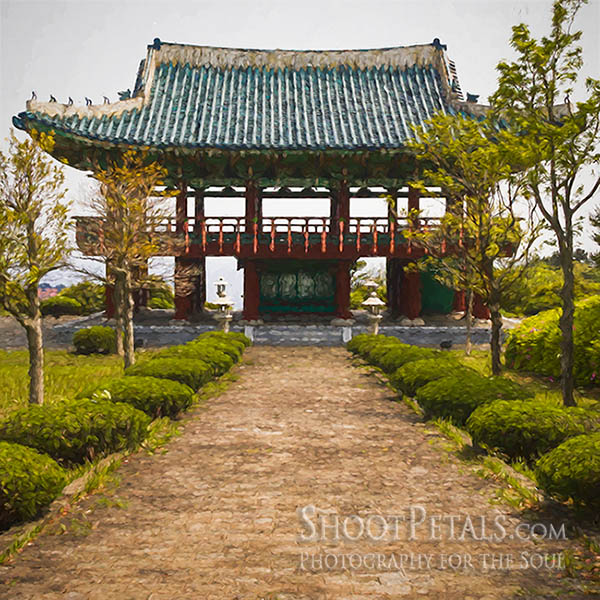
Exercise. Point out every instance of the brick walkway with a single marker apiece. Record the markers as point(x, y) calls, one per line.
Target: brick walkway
point(216, 516)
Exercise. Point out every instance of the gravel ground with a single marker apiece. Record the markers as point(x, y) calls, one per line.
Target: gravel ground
point(216, 516)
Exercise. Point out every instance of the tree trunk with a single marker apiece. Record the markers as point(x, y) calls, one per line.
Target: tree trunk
point(495, 343)
point(36, 359)
point(128, 337)
point(118, 296)
point(469, 317)
point(566, 323)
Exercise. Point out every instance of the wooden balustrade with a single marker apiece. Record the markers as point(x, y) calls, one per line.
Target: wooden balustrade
point(376, 236)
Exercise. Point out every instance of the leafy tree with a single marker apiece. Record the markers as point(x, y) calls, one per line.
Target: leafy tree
point(595, 221)
point(90, 295)
point(554, 140)
point(130, 213)
point(482, 228)
point(33, 239)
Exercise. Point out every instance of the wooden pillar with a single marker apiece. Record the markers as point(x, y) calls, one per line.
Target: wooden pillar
point(342, 290)
point(109, 301)
point(480, 310)
point(141, 293)
point(340, 206)
point(183, 288)
point(181, 214)
point(413, 199)
point(251, 291)
point(253, 207)
point(459, 303)
point(393, 285)
point(410, 294)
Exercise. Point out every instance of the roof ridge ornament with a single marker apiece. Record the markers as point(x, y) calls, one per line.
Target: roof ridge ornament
point(438, 45)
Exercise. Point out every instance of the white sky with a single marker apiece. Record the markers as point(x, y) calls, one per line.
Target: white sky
point(89, 48)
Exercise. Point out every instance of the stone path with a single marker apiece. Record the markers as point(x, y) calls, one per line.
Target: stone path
point(216, 516)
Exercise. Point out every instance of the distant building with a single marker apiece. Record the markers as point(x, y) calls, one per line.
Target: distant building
point(45, 290)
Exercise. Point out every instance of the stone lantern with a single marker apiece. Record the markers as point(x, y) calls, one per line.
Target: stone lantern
point(375, 306)
point(224, 303)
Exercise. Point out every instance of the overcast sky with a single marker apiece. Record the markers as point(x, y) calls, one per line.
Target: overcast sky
point(90, 48)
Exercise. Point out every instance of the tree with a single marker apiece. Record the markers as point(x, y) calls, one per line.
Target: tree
point(487, 240)
point(130, 212)
point(554, 140)
point(595, 221)
point(33, 239)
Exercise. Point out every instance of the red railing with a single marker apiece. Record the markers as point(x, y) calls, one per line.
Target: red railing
point(285, 233)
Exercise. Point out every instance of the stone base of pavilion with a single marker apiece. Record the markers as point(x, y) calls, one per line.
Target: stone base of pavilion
point(155, 328)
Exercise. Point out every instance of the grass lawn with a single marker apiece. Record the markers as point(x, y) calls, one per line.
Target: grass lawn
point(546, 388)
point(66, 375)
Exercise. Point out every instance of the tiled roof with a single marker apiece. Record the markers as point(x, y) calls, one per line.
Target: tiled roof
point(201, 97)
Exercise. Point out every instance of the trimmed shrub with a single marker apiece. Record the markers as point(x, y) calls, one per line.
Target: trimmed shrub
point(527, 429)
point(156, 397)
point(572, 470)
point(375, 351)
point(216, 358)
point(234, 348)
point(456, 396)
point(57, 306)
point(535, 345)
point(402, 354)
point(28, 481)
point(232, 335)
point(358, 344)
point(362, 342)
point(75, 430)
point(193, 373)
point(415, 374)
point(95, 340)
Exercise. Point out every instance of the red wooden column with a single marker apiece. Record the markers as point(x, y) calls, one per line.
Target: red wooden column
point(251, 291)
point(459, 303)
point(480, 310)
point(413, 199)
point(109, 301)
point(410, 294)
point(342, 290)
point(200, 291)
point(253, 208)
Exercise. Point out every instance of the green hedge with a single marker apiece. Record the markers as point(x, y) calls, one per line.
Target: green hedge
point(75, 430)
point(152, 395)
point(456, 396)
point(191, 372)
point(232, 335)
point(95, 340)
point(572, 470)
point(57, 306)
point(359, 343)
point(415, 374)
point(401, 355)
point(28, 481)
point(527, 429)
point(535, 345)
point(211, 354)
point(214, 339)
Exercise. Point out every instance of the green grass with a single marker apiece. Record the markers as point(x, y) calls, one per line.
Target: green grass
point(65, 375)
point(546, 389)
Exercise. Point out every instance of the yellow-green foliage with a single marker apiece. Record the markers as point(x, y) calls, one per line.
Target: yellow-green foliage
point(572, 470)
point(75, 430)
point(535, 345)
point(28, 481)
point(527, 429)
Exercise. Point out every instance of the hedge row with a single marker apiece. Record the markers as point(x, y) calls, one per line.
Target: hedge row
point(500, 414)
point(442, 386)
point(535, 345)
point(36, 442)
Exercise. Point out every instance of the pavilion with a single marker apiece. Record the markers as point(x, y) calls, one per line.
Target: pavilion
point(274, 124)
